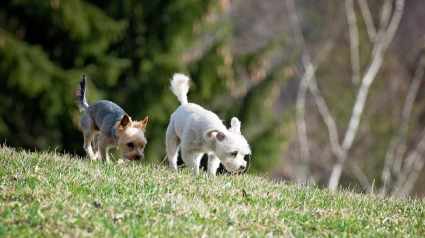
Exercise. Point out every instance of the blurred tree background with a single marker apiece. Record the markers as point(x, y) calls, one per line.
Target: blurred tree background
point(129, 50)
point(243, 60)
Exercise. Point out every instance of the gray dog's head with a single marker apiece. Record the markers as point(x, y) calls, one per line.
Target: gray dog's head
point(131, 137)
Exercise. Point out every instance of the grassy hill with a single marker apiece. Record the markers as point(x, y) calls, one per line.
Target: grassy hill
point(43, 194)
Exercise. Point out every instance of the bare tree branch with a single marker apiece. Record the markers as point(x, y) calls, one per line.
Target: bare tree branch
point(413, 165)
point(385, 18)
point(395, 21)
point(397, 147)
point(323, 108)
point(302, 89)
point(377, 57)
point(361, 177)
point(301, 125)
point(309, 80)
point(354, 41)
point(370, 27)
point(385, 36)
point(413, 176)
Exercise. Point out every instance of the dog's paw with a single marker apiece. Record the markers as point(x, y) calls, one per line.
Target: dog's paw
point(92, 158)
point(124, 161)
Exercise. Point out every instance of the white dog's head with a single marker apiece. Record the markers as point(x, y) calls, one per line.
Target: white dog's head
point(230, 146)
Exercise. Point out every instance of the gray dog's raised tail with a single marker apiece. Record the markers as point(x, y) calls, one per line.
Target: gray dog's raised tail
point(80, 99)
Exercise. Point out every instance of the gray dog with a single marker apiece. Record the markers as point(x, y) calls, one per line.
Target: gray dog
point(107, 125)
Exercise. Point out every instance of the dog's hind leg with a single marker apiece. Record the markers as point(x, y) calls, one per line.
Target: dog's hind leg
point(95, 145)
point(173, 154)
point(89, 132)
point(172, 142)
point(88, 137)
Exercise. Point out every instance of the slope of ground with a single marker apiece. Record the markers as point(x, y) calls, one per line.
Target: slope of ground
point(44, 194)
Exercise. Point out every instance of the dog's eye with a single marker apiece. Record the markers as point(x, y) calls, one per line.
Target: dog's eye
point(234, 154)
point(131, 145)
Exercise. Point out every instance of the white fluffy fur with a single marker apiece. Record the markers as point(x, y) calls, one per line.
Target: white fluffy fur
point(180, 87)
point(198, 131)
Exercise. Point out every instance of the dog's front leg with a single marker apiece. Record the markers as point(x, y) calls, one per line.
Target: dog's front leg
point(213, 164)
point(103, 151)
point(192, 160)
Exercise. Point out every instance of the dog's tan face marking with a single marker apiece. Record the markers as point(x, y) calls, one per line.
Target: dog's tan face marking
point(132, 139)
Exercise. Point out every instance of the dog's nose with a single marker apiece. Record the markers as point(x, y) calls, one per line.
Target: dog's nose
point(242, 167)
point(138, 156)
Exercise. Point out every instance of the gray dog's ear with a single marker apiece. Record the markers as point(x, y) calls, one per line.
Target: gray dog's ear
point(124, 123)
point(235, 125)
point(214, 133)
point(141, 125)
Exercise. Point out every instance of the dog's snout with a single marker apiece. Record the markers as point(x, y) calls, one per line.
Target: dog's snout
point(138, 156)
point(242, 167)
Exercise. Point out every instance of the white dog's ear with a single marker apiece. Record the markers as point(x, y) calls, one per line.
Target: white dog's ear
point(214, 133)
point(235, 125)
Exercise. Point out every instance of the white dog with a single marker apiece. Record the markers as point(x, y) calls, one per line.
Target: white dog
point(199, 131)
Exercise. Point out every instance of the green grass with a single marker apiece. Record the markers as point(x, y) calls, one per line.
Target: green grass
point(44, 195)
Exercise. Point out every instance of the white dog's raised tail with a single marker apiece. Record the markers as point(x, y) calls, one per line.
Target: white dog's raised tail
point(180, 87)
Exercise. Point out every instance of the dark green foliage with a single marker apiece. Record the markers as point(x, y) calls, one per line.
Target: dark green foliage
point(44, 49)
